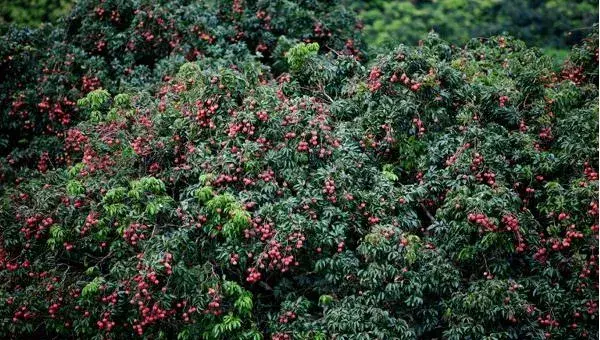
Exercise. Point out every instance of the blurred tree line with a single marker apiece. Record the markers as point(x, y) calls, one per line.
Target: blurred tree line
point(33, 12)
point(551, 24)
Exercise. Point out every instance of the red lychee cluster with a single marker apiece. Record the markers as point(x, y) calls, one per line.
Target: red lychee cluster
point(223, 179)
point(287, 317)
point(329, 190)
point(42, 164)
point(36, 225)
point(75, 140)
point(186, 313)
point(313, 141)
point(592, 307)
point(483, 221)
point(278, 257)
point(112, 298)
point(267, 175)
point(166, 262)
point(546, 134)
point(141, 146)
point(134, 233)
point(90, 221)
point(22, 313)
point(94, 163)
point(105, 324)
point(244, 127)
point(413, 85)
point(68, 246)
point(320, 30)
point(589, 172)
point(150, 315)
point(374, 82)
point(59, 111)
point(476, 162)
point(214, 306)
point(234, 259)
point(281, 336)
point(548, 321)
point(419, 125)
point(260, 228)
point(263, 116)
point(541, 255)
point(522, 126)
point(487, 177)
point(511, 222)
point(576, 74)
point(253, 275)
point(90, 83)
point(298, 239)
point(452, 159)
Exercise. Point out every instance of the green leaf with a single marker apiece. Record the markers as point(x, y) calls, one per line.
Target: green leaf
point(92, 288)
point(75, 188)
point(300, 53)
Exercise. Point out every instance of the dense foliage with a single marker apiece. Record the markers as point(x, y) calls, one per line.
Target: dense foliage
point(190, 187)
point(553, 24)
point(119, 44)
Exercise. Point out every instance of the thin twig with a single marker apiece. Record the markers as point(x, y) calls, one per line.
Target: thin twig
point(431, 218)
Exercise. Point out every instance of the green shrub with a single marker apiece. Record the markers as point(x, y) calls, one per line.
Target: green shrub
point(437, 193)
